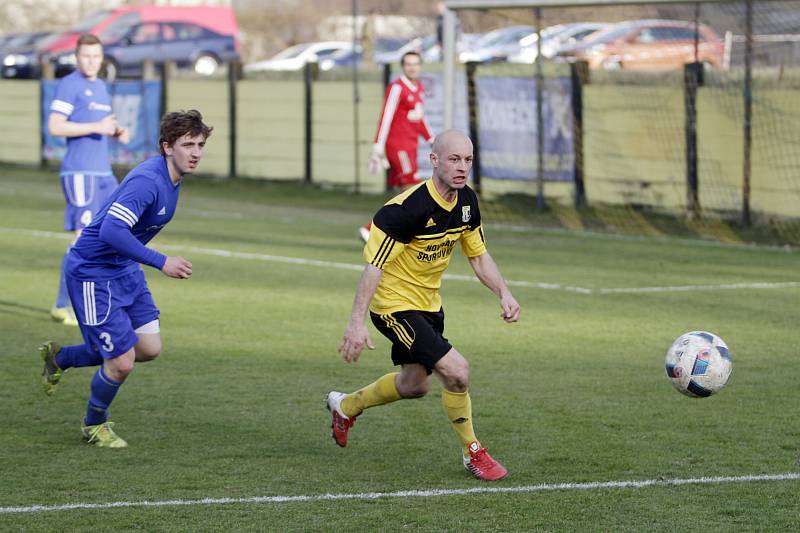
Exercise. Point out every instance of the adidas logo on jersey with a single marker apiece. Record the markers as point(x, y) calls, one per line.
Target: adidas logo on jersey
point(163, 211)
point(430, 223)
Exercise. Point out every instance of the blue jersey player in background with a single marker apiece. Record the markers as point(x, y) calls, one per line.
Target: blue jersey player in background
point(116, 312)
point(81, 112)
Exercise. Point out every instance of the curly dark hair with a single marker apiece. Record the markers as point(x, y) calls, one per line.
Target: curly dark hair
point(176, 124)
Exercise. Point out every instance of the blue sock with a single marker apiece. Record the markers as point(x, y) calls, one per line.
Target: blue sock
point(62, 299)
point(103, 390)
point(77, 356)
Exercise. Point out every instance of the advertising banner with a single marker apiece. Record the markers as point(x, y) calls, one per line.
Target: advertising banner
point(136, 105)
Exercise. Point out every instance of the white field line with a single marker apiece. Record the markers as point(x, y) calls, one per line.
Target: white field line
point(606, 236)
point(455, 277)
point(599, 485)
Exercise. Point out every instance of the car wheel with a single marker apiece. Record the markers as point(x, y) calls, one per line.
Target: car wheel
point(206, 65)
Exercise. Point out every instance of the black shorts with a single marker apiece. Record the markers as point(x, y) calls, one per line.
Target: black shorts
point(416, 336)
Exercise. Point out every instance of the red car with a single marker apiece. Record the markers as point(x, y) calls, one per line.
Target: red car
point(221, 20)
point(648, 45)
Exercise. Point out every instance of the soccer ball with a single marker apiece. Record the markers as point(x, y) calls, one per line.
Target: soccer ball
point(698, 364)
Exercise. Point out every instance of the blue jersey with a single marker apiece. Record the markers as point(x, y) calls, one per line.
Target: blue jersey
point(114, 243)
point(81, 100)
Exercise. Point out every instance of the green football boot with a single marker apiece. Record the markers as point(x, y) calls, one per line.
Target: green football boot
point(65, 315)
point(51, 374)
point(103, 436)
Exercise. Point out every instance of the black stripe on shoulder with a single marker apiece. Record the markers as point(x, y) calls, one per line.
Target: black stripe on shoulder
point(383, 252)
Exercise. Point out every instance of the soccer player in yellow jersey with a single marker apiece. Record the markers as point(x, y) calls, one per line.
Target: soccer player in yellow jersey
point(410, 245)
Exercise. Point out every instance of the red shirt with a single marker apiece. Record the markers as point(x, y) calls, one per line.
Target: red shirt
point(402, 118)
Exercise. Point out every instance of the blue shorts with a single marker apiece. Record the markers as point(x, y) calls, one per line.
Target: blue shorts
point(109, 311)
point(85, 195)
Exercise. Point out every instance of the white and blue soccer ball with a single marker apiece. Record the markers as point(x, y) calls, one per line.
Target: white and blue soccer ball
point(698, 364)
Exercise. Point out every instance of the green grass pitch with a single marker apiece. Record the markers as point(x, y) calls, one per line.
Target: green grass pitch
point(574, 393)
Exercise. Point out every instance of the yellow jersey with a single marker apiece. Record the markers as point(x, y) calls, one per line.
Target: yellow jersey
point(412, 240)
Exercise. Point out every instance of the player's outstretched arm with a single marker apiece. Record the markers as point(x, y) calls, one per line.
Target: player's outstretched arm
point(486, 270)
point(117, 234)
point(356, 335)
point(59, 126)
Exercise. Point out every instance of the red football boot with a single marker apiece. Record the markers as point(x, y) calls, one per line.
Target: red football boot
point(341, 423)
point(481, 464)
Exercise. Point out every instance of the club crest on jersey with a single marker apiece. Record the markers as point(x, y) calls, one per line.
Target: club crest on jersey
point(465, 214)
point(88, 92)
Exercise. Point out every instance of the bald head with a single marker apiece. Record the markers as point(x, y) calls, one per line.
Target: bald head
point(451, 157)
point(450, 140)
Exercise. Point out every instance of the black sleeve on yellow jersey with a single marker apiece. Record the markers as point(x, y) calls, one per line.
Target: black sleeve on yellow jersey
point(381, 249)
point(396, 221)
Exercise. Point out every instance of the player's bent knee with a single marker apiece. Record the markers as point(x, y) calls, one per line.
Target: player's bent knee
point(120, 367)
point(453, 369)
point(416, 390)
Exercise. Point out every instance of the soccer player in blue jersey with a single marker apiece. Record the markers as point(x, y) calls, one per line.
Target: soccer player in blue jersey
point(81, 112)
point(117, 315)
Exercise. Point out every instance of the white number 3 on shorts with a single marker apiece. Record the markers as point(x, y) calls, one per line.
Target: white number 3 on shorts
point(107, 344)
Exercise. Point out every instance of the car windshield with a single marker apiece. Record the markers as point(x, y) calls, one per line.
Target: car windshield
point(17, 41)
point(548, 33)
point(119, 28)
point(611, 34)
point(114, 33)
point(47, 40)
point(388, 44)
point(502, 36)
point(293, 51)
point(91, 21)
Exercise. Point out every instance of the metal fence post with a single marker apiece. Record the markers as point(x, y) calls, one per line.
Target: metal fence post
point(472, 107)
point(308, 75)
point(579, 76)
point(387, 79)
point(748, 113)
point(692, 80)
point(540, 203)
point(233, 76)
point(48, 73)
point(167, 69)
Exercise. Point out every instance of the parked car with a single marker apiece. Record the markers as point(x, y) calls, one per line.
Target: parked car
point(295, 57)
point(342, 58)
point(20, 55)
point(497, 44)
point(554, 38)
point(6, 37)
point(188, 45)
point(648, 45)
point(113, 23)
point(427, 46)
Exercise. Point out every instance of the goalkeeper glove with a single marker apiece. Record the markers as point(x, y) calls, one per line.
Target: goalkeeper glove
point(377, 161)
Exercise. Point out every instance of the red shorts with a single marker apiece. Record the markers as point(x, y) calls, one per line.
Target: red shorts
point(402, 165)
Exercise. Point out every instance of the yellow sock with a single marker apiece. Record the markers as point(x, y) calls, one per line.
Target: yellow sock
point(380, 392)
point(458, 408)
